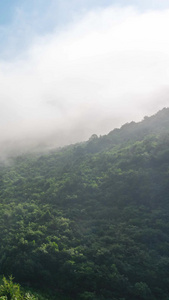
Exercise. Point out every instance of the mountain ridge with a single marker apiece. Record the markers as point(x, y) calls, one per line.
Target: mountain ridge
point(134, 131)
point(90, 220)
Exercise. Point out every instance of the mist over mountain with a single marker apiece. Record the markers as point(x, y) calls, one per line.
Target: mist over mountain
point(46, 142)
point(61, 81)
point(84, 150)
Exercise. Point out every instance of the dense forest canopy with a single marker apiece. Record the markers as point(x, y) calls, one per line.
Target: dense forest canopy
point(91, 220)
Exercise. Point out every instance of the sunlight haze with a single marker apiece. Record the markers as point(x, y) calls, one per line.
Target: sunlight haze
point(70, 69)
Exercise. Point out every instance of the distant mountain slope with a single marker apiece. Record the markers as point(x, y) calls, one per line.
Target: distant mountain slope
point(91, 220)
point(130, 132)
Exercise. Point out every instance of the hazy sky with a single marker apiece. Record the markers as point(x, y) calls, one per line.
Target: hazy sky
point(71, 68)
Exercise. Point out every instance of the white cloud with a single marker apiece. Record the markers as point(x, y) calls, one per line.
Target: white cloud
point(101, 71)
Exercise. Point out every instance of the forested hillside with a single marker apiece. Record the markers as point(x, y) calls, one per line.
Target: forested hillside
point(91, 220)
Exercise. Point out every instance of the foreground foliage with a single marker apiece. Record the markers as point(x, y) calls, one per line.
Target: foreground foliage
point(90, 221)
point(11, 291)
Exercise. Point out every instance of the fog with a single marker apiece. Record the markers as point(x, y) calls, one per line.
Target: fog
point(108, 67)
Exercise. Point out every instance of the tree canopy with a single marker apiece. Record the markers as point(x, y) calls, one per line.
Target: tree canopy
point(90, 221)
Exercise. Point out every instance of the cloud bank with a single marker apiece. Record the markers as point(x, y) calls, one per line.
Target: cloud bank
point(108, 67)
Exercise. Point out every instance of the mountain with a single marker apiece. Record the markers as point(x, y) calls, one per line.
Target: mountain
point(91, 220)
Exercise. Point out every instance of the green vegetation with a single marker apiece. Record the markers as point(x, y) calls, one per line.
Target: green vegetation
point(11, 291)
point(91, 220)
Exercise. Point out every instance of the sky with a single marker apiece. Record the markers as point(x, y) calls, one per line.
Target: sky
point(73, 68)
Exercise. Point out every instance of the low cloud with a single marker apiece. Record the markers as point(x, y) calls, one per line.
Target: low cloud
point(99, 72)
